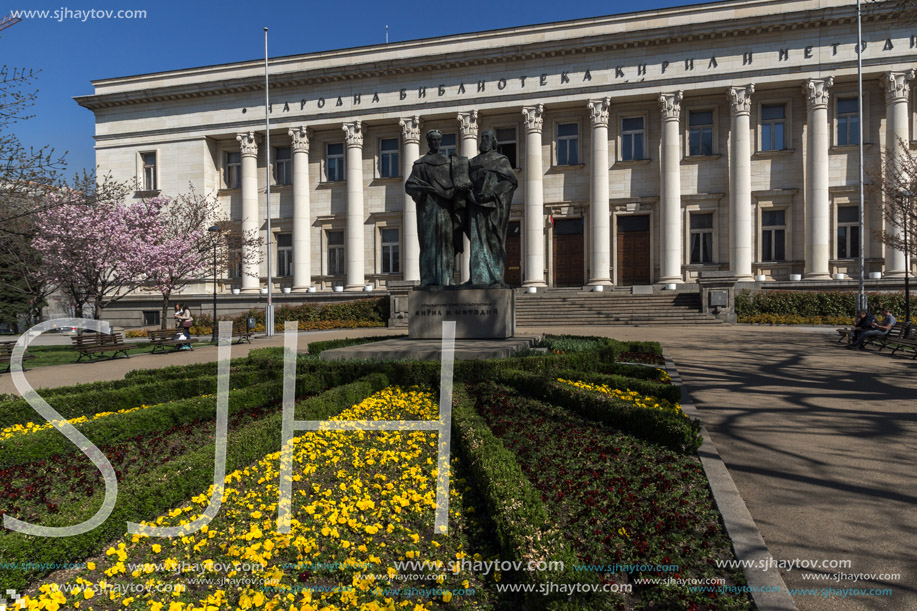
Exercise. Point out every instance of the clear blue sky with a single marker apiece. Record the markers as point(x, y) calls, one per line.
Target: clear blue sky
point(71, 52)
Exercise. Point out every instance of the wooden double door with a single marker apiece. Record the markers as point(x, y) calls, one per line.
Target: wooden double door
point(633, 250)
point(569, 252)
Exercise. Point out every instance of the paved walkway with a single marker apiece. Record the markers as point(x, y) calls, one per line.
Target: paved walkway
point(821, 441)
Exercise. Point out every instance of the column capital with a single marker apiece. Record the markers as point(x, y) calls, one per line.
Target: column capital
point(896, 86)
point(300, 137)
point(248, 142)
point(598, 111)
point(816, 91)
point(533, 117)
point(670, 105)
point(353, 134)
point(468, 124)
point(410, 129)
point(740, 99)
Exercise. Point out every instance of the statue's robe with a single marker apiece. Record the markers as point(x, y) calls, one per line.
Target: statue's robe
point(493, 185)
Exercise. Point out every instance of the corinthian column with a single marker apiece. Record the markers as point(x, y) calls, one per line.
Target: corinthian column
point(353, 233)
point(897, 138)
point(670, 168)
point(410, 136)
point(740, 182)
point(600, 262)
point(302, 276)
point(248, 142)
point(818, 225)
point(534, 197)
point(468, 131)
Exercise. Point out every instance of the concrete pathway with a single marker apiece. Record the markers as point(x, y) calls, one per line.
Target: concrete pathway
point(820, 441)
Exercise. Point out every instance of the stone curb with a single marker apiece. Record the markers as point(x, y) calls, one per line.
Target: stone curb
point(769, 590)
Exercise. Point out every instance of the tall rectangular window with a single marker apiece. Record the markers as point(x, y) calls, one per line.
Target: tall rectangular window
point(388, 158)
point(773, 235)
point(848, 121)
point(232, 170)
point(448, 145)
point(848, 232)
point(235, 263)
point(334, 162)
point(773, 127)
point(284, 254)
point(391, 259)
point(567, 144)
point(702, 238)
point(506, 143)
point(700, 133)
point(149, 171)
point(335, 253)
point(632, 136)
point(283, 166)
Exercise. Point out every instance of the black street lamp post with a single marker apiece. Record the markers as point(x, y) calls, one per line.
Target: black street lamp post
point(213, 333)
point(907, 265)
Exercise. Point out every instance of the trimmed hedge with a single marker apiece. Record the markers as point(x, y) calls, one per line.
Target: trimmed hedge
point(644, 387)
point(147, 497)
point(106, 431)
point(669, 429)
point(316, 348)
point(812, 304)
point(73, 405)
point(524, 528)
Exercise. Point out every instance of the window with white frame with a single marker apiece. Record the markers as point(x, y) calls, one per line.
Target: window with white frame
point(335, 241)
point(567, 144)
point(448, 145)
point(848, 232)
point(773, 235)
point(700, 132)
point(284, 254)
point(773, 127)
point(701, 237)
point(283, 166)
point(232, 170)
point(848, 121)
point(391, 256)
point(633, 133)
point(149, 172)
point(388, 158)
point(334, 161)
point(506, 143)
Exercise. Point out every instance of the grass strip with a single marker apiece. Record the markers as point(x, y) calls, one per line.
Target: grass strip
point(166, 487)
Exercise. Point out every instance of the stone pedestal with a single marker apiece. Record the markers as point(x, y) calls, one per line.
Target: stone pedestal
point(479, 313)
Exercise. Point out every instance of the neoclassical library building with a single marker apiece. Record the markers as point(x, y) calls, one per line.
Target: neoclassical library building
point(648, 146)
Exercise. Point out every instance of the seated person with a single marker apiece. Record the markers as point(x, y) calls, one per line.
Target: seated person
point(876, 330)
point(864, 321)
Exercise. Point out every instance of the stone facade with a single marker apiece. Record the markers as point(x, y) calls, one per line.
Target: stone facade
point(728, 126)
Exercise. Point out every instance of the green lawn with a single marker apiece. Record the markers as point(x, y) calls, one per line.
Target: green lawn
point(64, 355)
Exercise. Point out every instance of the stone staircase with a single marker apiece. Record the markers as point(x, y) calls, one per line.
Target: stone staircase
point(573, 306)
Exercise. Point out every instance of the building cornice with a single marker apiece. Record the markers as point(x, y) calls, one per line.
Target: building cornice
point(573, 38)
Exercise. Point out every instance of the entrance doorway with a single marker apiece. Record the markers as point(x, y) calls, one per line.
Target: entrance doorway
point(633, 250)
point(512, 274)
point(568, 252)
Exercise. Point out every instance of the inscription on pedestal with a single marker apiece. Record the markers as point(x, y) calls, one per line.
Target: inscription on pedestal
point(478, 313)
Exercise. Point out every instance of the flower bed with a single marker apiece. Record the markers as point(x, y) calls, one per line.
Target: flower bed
point(363, 502)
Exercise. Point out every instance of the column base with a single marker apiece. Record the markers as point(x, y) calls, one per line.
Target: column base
point(670, 280)
point(895, 273)
point(600, 282)
point(817, 276)
point(353, 288)
point(251, 291)
point(302, 289)
point(535, 283)
point(745, 278)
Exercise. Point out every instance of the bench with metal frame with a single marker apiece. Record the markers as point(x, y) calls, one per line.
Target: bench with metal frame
point(899, 331)
point(6, 354)
point(89, 344)
point(161, 340)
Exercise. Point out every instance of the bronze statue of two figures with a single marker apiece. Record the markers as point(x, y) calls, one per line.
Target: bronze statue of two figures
point(457, 196)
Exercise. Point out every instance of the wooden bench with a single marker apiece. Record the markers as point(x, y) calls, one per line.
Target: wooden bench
point(244, 335)
point(161, 340)
point(899, 331)
point(908, 341)
point(89, 344)
point(6, 354)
